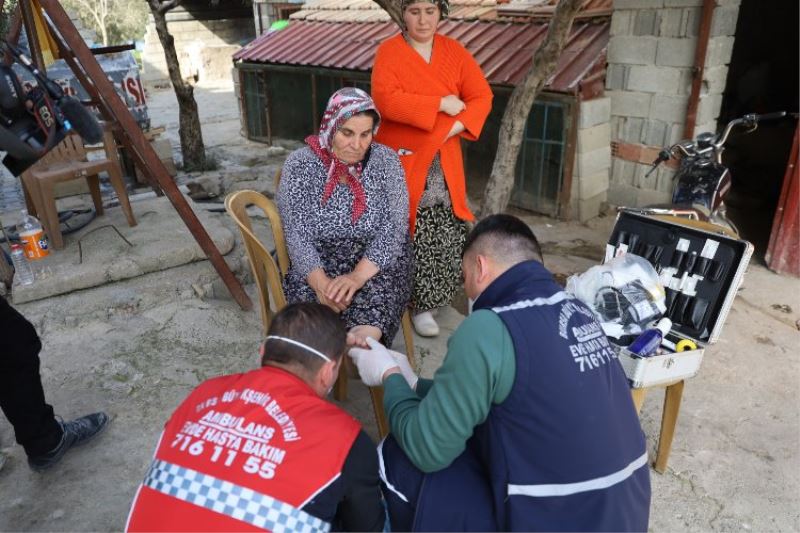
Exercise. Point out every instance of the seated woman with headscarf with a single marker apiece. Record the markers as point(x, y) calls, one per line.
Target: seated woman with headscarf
point(344, 206)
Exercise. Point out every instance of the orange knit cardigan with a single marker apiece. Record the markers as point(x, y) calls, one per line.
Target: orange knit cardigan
point(407, 92)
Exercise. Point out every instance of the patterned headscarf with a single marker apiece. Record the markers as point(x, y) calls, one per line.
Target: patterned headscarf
point(444, 5)
point(342, 105)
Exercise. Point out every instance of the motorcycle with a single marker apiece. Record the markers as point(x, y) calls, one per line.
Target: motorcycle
point(702, 180)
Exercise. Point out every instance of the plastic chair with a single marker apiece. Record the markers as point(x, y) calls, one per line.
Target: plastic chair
point(68, 161)
point(269, 276)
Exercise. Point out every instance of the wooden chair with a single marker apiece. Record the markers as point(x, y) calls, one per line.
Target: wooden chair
point(269, 276)
point(68, 161)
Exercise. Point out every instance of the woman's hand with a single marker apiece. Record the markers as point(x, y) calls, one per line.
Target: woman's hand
point(357, 336)
point(452, 105)
point(342, 288)
point(319, 283)
point(456, 129)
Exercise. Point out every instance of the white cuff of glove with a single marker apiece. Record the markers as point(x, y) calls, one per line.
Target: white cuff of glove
point(372, 363)
point(405, 368)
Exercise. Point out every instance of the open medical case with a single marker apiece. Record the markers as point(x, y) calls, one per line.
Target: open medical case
point(700, 268)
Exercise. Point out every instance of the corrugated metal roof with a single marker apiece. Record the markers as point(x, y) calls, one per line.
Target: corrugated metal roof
point(545, 8)
point(504, 50)
point(513, 11)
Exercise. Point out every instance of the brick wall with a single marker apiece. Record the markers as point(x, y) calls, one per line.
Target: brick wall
point(649, 78)
point(590, 174)
point(198, 43)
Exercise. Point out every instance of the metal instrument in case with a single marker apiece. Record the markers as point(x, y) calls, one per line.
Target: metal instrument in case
point(701, 268)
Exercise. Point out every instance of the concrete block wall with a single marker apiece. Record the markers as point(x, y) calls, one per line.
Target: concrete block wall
point(649, 78)
point(197, 42)
point(590, 174)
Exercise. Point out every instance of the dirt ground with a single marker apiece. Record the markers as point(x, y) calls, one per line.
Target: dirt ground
point(136, 348)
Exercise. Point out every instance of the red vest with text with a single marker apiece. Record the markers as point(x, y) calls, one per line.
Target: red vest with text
point(244, 453)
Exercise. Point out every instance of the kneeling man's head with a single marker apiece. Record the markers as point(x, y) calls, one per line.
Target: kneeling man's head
point(308, 340)
point(495, 244)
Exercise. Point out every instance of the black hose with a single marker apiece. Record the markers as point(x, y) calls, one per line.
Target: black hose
point(63, 216)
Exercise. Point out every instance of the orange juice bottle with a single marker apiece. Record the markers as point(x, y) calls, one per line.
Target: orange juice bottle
point(32, 237)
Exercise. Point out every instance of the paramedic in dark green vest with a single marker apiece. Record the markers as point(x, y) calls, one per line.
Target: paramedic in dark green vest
point(528, 425)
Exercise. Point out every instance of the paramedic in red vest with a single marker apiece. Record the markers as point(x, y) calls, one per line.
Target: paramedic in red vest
point(528, 425)
point(265, 450)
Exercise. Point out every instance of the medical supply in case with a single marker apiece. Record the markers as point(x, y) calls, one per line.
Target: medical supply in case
point(647, 343)
point(624, 293)
point(700, 270)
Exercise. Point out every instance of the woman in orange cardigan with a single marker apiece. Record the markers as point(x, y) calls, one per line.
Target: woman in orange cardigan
point(431, 93)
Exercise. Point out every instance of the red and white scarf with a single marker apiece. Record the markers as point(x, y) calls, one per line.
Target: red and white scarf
point(342, 105)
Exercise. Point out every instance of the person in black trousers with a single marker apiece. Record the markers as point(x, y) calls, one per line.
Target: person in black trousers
point(44, 437)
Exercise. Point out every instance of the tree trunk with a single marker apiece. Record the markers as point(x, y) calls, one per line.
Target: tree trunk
point(191, 135)
point(498, 189)
point(102, 9)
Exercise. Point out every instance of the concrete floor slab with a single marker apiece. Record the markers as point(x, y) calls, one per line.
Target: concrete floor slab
point(97, 254)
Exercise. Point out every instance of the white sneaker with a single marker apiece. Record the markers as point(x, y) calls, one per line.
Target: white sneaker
point(425, 325)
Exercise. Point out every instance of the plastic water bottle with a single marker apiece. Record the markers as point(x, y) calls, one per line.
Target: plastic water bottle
point(648, 342)
point(22, 269)
point(31, 236)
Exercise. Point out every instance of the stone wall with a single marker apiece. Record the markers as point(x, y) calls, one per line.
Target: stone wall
point(204, 48)
point(590, 174)
point(649, 78)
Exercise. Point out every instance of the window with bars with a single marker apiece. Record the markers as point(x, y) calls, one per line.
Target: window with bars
point(540, 166)
point(364, 85)
point(254, 90)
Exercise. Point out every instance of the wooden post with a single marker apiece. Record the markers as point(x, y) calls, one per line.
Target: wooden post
point(14, 29)
point(138, 145)
point(33, 41)
point(571, 150)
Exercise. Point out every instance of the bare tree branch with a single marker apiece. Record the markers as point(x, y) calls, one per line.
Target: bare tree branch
point(501, 181)
point(189, 128)
point(162, 7)
point(166, 6)
point(116, 21)
point(98, 9)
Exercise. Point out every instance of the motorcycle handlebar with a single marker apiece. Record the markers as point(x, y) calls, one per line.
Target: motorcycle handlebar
point(751, 120)
point(770, 116)
point(663, 155)
point(688, 148)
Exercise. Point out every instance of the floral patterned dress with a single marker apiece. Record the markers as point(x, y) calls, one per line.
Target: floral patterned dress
point(323, 234)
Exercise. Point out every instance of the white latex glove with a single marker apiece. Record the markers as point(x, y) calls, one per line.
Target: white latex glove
point(372, 364)
point(405, 368)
